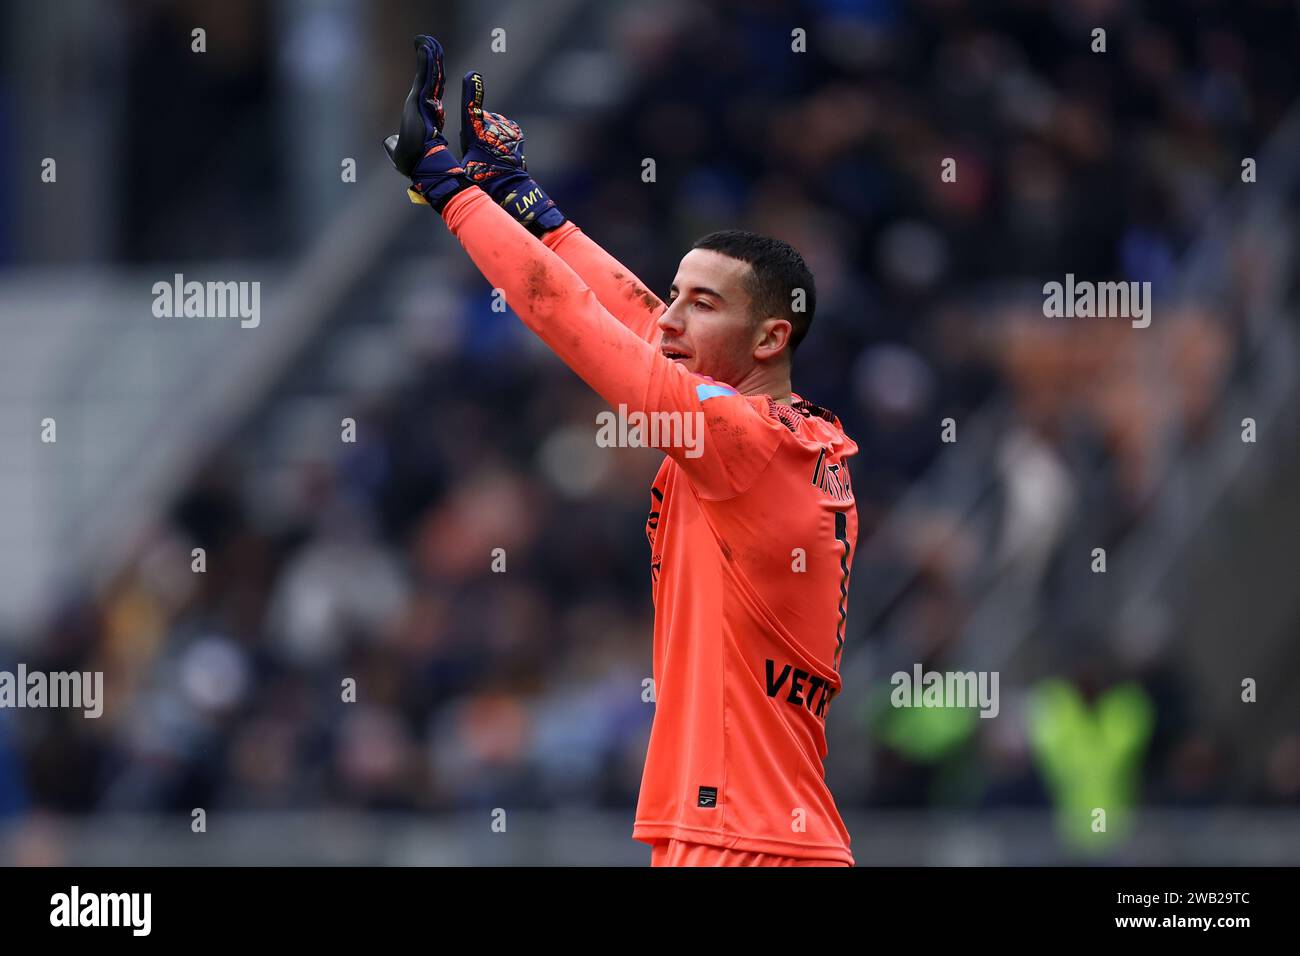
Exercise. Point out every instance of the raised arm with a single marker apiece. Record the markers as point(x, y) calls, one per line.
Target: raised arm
point(618, 290)
point(736, 437)
point(493, 147)
point(556, 304)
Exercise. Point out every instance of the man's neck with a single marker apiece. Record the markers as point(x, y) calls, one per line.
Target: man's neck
point(771, 382)
point(776, 390)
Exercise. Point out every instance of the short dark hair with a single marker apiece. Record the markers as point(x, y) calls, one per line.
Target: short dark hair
point(776, 271)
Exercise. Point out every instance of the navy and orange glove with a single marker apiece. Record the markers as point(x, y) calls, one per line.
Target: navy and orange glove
point(493, 150)
point(418, 150)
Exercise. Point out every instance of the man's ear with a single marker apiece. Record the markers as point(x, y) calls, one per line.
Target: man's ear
point(774, 337)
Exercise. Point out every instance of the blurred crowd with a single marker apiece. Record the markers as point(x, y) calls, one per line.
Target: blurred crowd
point(372, 561)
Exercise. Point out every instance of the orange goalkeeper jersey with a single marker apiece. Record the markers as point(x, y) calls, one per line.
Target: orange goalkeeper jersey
point(751, 537)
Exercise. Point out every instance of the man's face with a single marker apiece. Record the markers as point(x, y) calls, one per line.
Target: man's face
point(707, 326)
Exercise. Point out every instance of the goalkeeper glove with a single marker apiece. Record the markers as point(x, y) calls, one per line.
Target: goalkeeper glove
point(493, 148)
point(419, 150)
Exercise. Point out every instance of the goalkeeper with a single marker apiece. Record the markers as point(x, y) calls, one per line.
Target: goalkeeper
point(751, 536)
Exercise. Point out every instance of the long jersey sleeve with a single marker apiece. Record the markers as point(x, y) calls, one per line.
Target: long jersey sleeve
point(617, 289)
point(738, 437)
